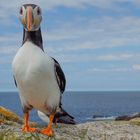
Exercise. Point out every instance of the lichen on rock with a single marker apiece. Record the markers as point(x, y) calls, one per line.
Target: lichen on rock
point(7, 115)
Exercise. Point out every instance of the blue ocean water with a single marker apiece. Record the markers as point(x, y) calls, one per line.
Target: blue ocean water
point(83, 105)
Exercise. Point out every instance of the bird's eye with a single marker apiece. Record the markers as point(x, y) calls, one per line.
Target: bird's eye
point(21, 11)
point(38, 11)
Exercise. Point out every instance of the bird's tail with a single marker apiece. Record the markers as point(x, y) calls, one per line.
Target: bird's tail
point(61, 116)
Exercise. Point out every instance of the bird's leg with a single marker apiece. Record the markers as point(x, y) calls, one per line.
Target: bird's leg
point(48, 131)
point(26, 127)
point(56, 121)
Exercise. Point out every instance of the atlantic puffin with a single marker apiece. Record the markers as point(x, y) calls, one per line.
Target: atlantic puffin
point(38, 77)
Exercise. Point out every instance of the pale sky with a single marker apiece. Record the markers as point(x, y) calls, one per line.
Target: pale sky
point(97, 42)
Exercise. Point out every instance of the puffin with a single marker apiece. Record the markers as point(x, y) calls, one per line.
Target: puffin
point(39, 78)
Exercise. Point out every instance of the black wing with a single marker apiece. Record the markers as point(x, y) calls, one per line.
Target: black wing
point(15, 80)
point(61, 80)
point(61, 116)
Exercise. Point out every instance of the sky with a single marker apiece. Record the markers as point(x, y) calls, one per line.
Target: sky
point(97, 42)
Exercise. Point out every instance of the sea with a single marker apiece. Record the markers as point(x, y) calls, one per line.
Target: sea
point(84, 106)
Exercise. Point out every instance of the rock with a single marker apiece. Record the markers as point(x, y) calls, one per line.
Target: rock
point(135, 115)
point(124, 118)
point(97, 116)
point(97, 130)
point(128, 117)
point(135, 121)
point(7, 115)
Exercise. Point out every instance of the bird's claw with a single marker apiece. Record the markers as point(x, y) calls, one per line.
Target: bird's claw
point(29, 129)
point(47, 131)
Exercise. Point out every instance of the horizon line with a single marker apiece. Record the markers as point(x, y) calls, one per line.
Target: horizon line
point(112, 90)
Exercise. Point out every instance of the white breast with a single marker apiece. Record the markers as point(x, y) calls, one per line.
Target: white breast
point(34, 73)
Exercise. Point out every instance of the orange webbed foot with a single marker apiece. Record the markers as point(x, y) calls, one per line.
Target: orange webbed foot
point(47, 131)
point(29, 129)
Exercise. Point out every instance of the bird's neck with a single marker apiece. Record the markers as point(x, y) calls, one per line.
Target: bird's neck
point(34, 36)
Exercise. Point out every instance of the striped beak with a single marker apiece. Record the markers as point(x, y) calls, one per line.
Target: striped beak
point(29, 18)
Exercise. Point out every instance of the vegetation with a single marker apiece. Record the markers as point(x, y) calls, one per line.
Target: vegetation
point(6, 114)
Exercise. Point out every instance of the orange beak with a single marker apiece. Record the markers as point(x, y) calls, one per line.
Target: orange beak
point(29, 18)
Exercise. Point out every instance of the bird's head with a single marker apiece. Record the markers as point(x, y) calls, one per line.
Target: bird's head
point(30, 17)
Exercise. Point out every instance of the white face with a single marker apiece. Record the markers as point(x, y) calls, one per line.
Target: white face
point(30, 17)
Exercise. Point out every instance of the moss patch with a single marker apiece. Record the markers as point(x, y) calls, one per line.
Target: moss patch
point(135, 121)
point(6, 114)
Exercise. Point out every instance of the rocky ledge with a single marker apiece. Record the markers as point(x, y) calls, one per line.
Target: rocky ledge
point(11, 124)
